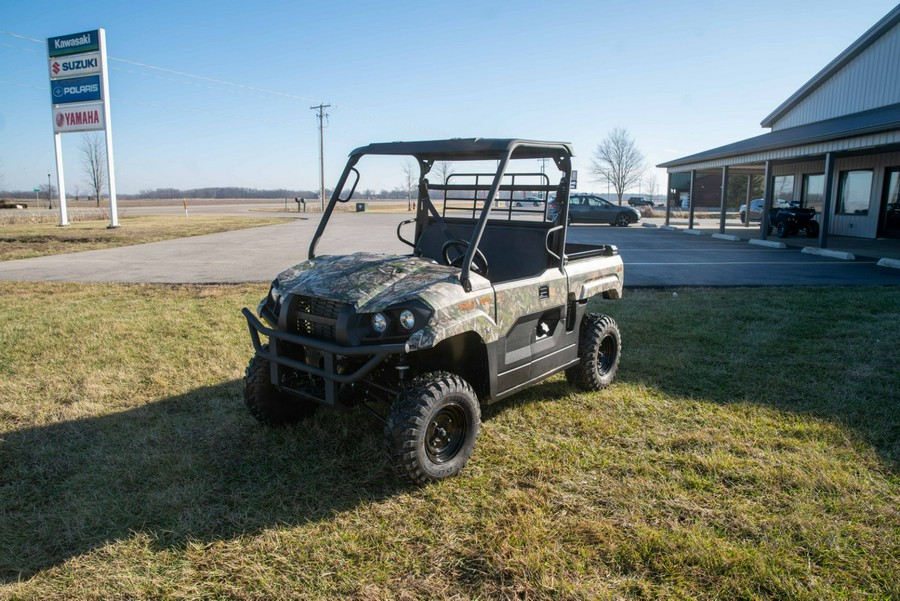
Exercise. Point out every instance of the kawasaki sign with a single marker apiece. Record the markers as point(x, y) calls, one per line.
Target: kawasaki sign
point(74, 43)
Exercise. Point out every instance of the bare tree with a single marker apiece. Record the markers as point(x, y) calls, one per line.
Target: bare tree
point(618, 161)
point(93, 156)
point(409, 183)
point(650, 182)
point(442, 170)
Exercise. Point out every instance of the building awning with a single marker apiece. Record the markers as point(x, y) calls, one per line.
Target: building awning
point(873, 121)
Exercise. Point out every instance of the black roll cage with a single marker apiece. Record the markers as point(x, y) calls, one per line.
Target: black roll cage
point(427, 153)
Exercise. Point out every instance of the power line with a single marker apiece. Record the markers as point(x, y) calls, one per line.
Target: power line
point(224, 82)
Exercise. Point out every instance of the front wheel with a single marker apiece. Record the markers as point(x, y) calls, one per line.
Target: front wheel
point(622, 220)
point(782, 229)
point(432, 427)
point(269, 405)
point(599, 349)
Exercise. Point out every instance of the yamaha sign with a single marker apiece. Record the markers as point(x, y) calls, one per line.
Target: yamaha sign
point(78, 117)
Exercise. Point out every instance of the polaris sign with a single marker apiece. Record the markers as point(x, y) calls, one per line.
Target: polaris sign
point(73, 43)
point(75, 89)
point(71, 66)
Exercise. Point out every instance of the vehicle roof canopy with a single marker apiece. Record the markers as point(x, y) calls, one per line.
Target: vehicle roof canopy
point(468, 149)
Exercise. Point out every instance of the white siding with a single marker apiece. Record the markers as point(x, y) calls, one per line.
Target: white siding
point(869, 81)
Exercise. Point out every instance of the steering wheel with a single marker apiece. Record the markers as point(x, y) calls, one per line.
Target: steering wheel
point(479, 262)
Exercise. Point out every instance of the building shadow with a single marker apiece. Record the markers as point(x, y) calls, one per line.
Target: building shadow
point(193, 467)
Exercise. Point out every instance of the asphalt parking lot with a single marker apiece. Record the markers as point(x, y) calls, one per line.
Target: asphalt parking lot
point(653, 257)
point(659, 258)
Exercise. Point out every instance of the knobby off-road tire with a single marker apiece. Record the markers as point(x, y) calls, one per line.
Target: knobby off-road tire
point(812, 229)
point(432, 427)
point(782, 229)
point(270, 406)
point(599, 349)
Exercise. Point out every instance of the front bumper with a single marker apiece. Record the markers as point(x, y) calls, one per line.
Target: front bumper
point(329, 355)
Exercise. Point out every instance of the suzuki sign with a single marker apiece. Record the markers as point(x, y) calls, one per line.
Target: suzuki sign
point(71, 66)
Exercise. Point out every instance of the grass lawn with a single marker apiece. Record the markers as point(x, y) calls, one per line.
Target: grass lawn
point(749, 449)
point(25, 240)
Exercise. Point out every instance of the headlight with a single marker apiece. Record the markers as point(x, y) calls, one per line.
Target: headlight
point(379, 323)
point(407, 319)
point(275, 292)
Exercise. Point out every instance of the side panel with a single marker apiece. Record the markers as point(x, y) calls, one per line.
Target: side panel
point(531, 316)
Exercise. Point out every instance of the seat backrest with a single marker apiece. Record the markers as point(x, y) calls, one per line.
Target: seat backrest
point(513, 251)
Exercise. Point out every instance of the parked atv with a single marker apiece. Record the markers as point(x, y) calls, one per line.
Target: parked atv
point(788, 221)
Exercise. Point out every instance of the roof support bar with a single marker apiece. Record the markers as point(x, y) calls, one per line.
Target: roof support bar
point(724, 198)
point(691, 201)
point(767, 202)
point(828, 201)
point(669, 195)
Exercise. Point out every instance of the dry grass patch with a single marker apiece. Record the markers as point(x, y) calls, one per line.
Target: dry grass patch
point(26, 238)
point(738, 456)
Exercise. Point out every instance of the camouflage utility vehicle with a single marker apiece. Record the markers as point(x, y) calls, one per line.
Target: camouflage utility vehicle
point(490, 299)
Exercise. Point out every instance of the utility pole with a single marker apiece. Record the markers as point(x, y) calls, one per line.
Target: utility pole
point(321, 115)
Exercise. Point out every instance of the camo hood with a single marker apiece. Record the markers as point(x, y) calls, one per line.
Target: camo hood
point(372, 282)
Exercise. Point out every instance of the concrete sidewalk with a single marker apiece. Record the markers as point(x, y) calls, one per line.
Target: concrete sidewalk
point(248, 255)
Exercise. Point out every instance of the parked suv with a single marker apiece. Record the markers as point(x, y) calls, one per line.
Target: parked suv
point(640, 201)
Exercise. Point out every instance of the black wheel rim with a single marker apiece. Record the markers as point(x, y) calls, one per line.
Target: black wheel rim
point(445, 433)
point(606, 355)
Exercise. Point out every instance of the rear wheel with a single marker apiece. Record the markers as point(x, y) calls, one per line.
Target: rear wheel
point(812, 229)
point(432, 427)
point(269, 405)
point(743, 217)
point(599, 349)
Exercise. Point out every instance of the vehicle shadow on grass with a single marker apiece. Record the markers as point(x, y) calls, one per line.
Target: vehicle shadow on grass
point(194, 467)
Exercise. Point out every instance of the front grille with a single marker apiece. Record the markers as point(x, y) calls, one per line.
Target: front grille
point(315, 317)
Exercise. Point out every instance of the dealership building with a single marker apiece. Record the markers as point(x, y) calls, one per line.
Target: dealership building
point(834, 146)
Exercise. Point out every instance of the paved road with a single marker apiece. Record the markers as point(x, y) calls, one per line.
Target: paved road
point(652, 257)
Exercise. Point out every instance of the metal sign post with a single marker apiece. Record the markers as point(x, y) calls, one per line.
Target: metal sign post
point(79, 85)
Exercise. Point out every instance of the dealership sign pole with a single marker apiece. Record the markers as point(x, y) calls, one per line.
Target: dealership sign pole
point(79, 86)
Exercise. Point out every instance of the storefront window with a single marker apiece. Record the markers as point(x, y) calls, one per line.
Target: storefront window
point(855, 192)
point(813, 191)
point(892, 203)
point(782, 190)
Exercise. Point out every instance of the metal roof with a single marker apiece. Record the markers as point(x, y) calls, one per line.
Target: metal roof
point(854, 50)
point(459, 149)
point(884, 118)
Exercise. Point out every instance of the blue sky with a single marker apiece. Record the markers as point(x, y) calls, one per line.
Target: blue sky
point(218, 94)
